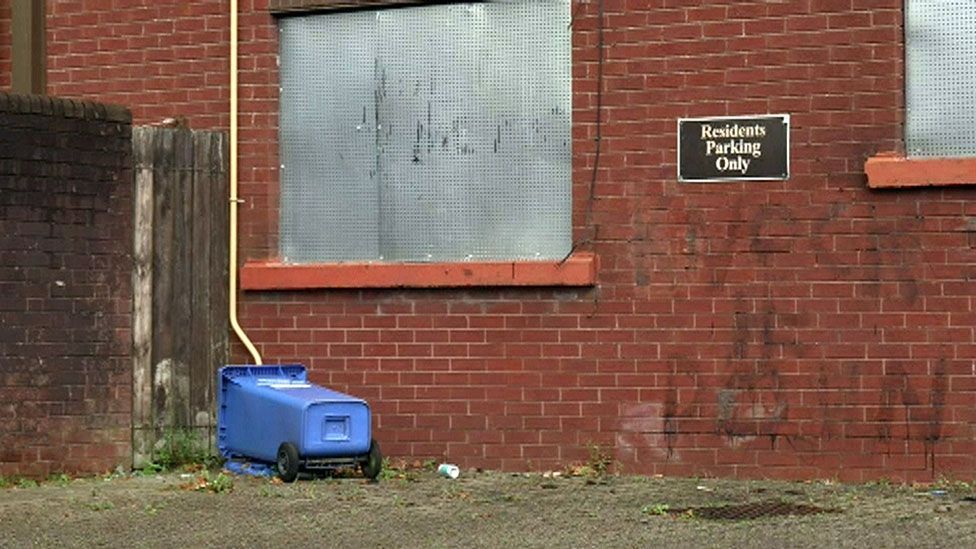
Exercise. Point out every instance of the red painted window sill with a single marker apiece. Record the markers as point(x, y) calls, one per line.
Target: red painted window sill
point(891, 171)
point(579, 270)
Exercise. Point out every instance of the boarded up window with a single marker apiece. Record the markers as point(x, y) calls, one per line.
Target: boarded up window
point(940, 52)
point(434, 133)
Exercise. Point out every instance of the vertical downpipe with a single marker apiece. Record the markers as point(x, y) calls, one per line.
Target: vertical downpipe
point(234, 200)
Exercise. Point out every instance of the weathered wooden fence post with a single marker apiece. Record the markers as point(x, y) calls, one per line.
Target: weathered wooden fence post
point(180, 334)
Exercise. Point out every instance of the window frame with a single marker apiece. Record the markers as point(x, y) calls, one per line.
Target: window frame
point(896, 169)
point(578, 269)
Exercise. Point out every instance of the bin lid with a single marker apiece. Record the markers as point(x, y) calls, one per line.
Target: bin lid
point(281, 372)
point(290, 379)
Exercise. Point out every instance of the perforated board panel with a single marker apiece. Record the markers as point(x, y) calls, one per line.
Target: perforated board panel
point(940, 52)
point(329, 194)
point(434, 133)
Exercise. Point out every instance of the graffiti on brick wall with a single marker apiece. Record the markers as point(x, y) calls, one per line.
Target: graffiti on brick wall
point(752, 403)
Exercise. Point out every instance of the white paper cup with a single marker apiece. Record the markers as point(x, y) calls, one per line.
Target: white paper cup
point(449, 471)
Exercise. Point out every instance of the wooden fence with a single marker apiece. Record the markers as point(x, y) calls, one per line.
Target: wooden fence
point(180, 332)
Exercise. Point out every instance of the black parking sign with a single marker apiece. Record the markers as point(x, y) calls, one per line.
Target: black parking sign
point(753, 148)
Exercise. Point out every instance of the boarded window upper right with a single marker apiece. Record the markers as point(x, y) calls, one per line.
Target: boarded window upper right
point(940, 58)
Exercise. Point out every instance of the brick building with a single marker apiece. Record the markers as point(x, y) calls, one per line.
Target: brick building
point(821, 325)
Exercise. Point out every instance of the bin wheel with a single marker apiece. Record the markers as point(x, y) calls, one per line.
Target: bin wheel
point(374, 461)
point(288, 462)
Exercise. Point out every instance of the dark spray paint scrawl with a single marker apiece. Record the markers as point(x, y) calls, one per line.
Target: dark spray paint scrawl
point(752, 403)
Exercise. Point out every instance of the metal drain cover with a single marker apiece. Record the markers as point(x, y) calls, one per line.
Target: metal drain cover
point(747, 511)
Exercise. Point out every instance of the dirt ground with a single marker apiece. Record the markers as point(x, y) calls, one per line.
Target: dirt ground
point(480, 509)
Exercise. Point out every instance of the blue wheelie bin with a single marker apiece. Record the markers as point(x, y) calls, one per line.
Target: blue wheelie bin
point(272, 416)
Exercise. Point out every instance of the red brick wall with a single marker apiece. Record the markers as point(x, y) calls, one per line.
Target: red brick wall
point(65, 286)
point(169, 58)
point(5, 38)
point(797, 329)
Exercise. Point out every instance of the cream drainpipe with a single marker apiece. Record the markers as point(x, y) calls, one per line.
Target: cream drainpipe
point(234, 200)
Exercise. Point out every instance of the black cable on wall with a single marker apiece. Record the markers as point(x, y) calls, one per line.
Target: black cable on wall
point(598, 139)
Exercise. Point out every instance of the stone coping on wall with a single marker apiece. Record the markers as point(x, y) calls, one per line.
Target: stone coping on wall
point(579, 269)
point(895, 171)
point(63, 107)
